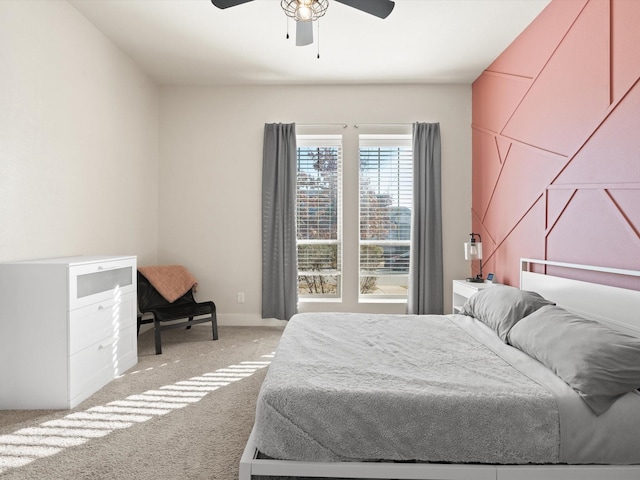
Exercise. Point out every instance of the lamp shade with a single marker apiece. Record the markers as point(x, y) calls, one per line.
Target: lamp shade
point(473, 250)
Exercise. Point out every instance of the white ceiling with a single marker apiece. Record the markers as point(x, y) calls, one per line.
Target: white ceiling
point(191, 42)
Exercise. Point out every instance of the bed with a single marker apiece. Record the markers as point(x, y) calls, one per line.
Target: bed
point(468, 396)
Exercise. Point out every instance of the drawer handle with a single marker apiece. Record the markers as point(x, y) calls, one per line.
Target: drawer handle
point(107, 306)
point(108, 343)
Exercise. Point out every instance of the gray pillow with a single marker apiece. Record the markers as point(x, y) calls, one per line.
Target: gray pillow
point(599, 363)
point(501, 307)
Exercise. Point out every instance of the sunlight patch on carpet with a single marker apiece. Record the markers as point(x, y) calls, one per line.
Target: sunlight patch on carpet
point(63, 432)
point(95, 424)
point(135, 411)
point(28, 444)
point(187, 388)
point(109, 417)
point(175, 394)
point(166, 398)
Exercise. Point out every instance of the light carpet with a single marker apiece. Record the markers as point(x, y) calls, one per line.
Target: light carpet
point(185, 414)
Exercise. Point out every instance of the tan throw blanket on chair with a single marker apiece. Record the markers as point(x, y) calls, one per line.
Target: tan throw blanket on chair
point(171, 281)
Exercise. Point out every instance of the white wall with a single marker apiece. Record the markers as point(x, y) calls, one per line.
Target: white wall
point(78, 139)
point(210, 176)
point(82, 130)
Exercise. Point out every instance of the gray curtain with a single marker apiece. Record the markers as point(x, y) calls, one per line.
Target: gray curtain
point(279, 256)
point(425, 270)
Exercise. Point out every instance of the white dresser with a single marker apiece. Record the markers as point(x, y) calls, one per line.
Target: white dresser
point(67, 328)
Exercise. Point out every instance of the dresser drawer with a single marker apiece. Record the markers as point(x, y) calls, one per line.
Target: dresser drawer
point(100, 321)
point(100, 281)
point(95, 366)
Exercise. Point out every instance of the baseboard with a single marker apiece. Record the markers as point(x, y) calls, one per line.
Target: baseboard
point(248, 320)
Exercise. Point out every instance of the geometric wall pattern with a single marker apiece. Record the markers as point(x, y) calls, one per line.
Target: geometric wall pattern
point(556, 143)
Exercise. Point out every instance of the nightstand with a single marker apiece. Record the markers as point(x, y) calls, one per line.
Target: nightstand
point(462, 290)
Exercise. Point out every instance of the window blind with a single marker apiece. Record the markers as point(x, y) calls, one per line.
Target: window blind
point(386, 202)
point(319, 215)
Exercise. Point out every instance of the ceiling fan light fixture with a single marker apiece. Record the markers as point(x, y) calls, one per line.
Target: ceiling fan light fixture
point(304, 13)
point(304, 10)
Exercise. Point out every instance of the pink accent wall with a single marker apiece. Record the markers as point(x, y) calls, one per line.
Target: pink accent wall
point(556, 143)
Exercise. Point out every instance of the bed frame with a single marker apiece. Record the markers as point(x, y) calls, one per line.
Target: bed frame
point(616, 307)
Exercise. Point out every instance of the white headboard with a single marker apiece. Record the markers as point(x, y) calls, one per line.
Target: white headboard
point(617, 307)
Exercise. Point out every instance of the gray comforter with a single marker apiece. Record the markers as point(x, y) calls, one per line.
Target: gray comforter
point(358, 387)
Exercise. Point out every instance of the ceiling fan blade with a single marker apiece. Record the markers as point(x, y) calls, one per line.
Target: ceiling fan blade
point(379, 8)
point(304, 33)
point(229, 3)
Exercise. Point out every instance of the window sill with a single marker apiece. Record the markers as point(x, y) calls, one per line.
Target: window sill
point(319, 300)
point(382, 300)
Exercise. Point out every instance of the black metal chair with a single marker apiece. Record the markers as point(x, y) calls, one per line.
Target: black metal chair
point(151, 302)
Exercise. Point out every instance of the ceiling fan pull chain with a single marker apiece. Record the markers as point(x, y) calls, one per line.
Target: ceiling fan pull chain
point(318, 28)
point(287, 28)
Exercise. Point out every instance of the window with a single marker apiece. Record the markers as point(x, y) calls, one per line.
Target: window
point(374, 264)
point(386, 201)
point(319, 215)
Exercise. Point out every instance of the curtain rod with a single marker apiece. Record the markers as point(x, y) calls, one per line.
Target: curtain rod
point(358, 125)
point(343, 125)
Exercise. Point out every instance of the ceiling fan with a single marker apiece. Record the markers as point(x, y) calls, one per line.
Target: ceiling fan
point(305, 12)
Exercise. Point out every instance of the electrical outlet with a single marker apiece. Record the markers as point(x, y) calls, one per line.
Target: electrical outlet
point(240, 297)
